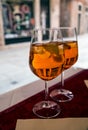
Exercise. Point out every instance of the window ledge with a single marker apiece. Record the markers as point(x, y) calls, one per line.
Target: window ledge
point(19, 94)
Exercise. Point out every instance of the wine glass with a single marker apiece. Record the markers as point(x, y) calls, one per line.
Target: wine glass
point(46, 60)
point(71, 55)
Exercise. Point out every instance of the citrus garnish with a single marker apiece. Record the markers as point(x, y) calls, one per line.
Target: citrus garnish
point(66, 46)
point(52, 48)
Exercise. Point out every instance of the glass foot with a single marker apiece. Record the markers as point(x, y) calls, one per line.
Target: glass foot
point(46, 109)
point(61, 95)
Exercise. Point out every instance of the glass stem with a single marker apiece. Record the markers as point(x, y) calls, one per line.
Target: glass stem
point(62, 79)
point(46, 91)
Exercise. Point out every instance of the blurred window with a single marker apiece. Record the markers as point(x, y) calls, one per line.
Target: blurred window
point(79, 7)
point(18, 18)
point(86, 9)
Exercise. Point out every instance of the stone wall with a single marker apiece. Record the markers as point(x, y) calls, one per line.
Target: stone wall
point(54, 13)
point(65, 13)
point(2, 42)
point(73, 16)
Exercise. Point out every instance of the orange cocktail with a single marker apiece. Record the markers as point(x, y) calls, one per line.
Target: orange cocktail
point(46, 59)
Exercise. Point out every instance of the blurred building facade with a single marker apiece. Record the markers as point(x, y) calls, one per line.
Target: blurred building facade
point(18, 17)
